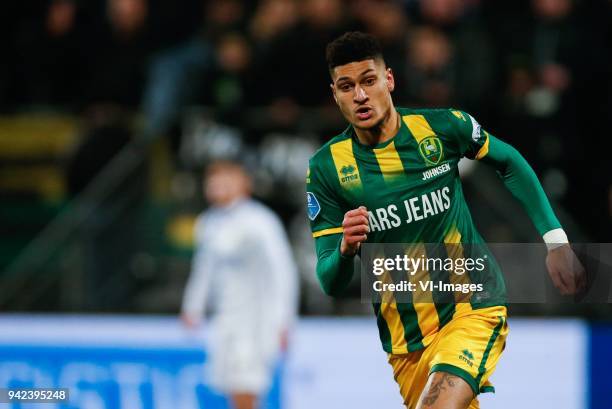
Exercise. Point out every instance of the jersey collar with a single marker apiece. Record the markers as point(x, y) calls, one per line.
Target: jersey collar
point(350, 132)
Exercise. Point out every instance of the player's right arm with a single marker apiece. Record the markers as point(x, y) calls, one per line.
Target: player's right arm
point(338, 234)
point(355, 229)
point(196, 290)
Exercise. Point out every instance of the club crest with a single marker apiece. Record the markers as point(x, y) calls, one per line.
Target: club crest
point(430, 149)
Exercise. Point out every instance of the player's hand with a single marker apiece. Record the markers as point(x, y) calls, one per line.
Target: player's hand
point(190, 321)
point(565, 270)
point(355, 229)
point(284, 340)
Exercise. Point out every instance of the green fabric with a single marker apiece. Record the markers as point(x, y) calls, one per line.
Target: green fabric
point(522, 181)
point(482, 368)
point(383, 330)
point(487, 389)
point(334, 271)
point(410, 205)
point(465, 375)
point(411, 187)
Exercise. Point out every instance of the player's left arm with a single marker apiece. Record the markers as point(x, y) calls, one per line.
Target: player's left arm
point(563, 266)
point(518, 176)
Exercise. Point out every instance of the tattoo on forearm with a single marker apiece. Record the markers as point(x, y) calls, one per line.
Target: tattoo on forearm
point(444, 382)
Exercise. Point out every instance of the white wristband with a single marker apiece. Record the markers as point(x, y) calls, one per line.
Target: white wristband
point(555, 238)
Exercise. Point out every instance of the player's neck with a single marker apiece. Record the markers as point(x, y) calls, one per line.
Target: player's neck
point(386, 130)
point(231, 201)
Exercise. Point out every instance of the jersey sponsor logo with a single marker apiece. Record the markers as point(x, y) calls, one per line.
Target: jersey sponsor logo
point(415, 209)
point(430, 149)
point(348, 173)
point(313, 208)
point(438, 170)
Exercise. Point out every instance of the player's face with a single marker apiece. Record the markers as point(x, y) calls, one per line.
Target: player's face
point(224, 185)
point(362, 90)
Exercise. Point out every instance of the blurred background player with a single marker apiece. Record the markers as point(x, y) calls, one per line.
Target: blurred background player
point(243, 258)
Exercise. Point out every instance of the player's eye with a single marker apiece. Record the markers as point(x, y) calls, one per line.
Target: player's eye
point(370, 81)
point(345, 87)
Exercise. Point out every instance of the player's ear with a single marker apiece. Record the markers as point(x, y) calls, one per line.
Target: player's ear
point(390, 79)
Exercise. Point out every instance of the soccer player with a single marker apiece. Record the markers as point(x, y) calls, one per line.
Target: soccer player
point(391, 177)
point(243, 260)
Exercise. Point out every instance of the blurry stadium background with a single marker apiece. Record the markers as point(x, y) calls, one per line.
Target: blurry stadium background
point(110, 109)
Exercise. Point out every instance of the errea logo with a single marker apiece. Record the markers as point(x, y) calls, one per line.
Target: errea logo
point(348, 173)
point(467, 357)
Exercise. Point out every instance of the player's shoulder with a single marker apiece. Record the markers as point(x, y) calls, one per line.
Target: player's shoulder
point(434, 114)
point(323, 154)
point(443, 121)
point(254, 209)
point(258, 217)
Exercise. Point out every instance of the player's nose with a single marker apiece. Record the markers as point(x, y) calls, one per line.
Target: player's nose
point(360, 95)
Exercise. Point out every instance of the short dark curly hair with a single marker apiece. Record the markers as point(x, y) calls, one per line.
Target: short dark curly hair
point(352, 46)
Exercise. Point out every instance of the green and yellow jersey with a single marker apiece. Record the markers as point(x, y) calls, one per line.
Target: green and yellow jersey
point(411, 187)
